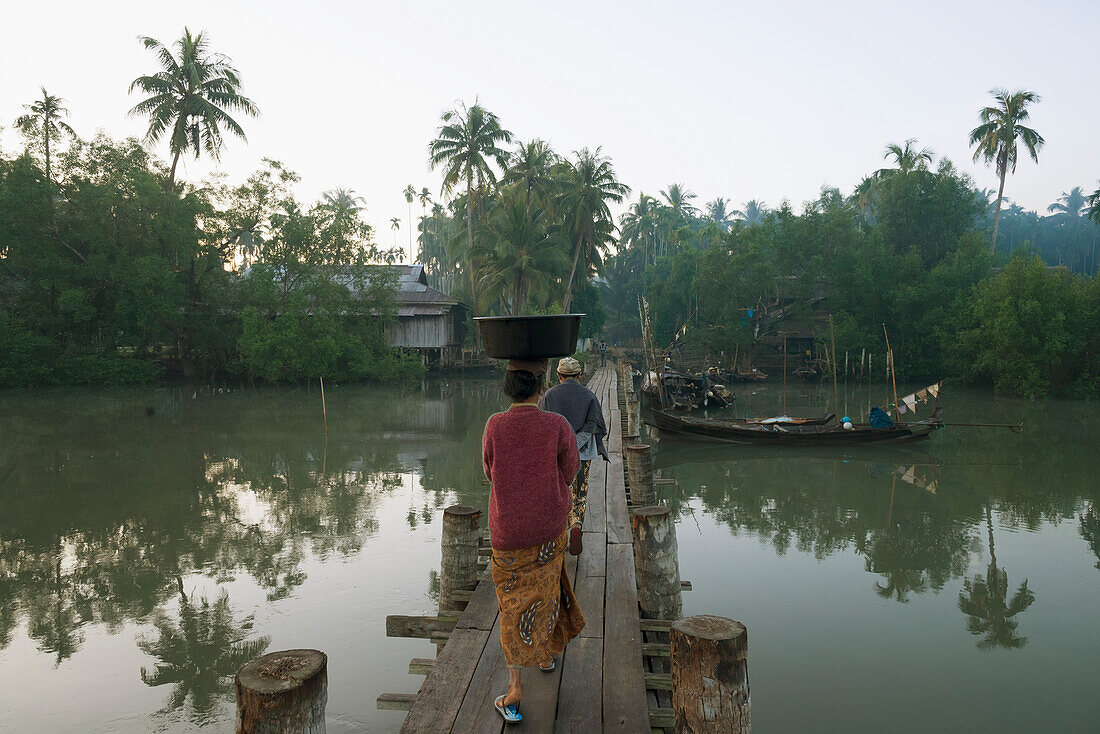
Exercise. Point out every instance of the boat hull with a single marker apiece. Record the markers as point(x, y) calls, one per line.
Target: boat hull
point(699, 429)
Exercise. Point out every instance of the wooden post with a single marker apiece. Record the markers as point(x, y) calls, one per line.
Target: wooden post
point(710, 675)
point(639, 464)
point(324, 409)
point(283, 693)
point(656, 560)
point(458, 567)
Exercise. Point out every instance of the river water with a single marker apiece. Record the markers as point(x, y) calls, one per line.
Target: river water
point(153, 540)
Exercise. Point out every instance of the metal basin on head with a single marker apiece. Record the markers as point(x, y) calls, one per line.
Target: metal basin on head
point(529, 337)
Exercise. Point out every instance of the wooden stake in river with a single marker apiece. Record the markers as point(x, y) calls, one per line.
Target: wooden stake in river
point(836, 392)
point(324, 410)
point(893, 374)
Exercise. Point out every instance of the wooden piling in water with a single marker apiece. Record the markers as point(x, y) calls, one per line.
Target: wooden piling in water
point(710, 675)
point(283, 693)
point(657, 563)
point(458, 567)
point(639, 466)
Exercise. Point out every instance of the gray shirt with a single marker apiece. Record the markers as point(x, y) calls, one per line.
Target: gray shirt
point(581, 408)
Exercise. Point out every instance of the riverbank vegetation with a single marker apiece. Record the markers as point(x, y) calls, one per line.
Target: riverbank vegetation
point(112, 269)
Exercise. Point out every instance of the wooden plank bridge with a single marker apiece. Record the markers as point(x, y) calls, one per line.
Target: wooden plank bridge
point(602, 682)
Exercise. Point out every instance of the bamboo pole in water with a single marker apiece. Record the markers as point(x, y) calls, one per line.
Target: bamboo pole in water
point(324, 409)
point(836, 391)
point(893, 373)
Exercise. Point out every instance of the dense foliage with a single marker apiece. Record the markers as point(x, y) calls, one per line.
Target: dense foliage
point(104, 278)
point(907, 249)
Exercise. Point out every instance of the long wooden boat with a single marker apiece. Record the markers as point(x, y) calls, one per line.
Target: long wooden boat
point(670, 425)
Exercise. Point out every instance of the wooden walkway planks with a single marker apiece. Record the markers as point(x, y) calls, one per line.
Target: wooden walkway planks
point(599, 684)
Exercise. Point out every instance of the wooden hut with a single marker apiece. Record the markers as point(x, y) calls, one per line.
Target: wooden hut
point(428, 320)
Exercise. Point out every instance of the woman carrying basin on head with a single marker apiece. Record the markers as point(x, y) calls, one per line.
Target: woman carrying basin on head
point(531, 458)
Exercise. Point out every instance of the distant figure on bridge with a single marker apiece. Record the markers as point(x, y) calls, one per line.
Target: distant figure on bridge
point(530, 457)
point(581, 408)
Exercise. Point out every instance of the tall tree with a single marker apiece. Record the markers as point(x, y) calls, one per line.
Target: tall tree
point(524, 257)
point(1070, 204)
point(531, 167)
point(996, 140)
point(44, 118)
point(719, 211)
point(1094, 205)
point(639, 225)
point(752, 211)
point(466, 145)
point(906, 158)
point(410, 195)
point(191, 98)
point(395, 224)
point(678, 199)
point(590, 186)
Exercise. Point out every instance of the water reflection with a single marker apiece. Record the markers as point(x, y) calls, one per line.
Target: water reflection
point(1090, 531)
point(983, 601)
point(915, 514)
point(104, 507)
point(198, 654)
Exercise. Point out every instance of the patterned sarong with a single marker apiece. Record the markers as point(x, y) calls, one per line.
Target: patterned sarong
point(580, 494)
point(539, 614)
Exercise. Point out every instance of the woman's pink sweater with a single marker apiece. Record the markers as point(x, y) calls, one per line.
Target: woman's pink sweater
point(531, 459)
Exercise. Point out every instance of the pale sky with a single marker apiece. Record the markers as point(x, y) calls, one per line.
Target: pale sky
point(764, 100)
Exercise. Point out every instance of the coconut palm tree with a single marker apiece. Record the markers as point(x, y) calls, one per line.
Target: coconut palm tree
point(1094, 205)
point(467, 145)
point(752, 212)
point(343, 200)
point(639, 225)
point(678, 199)
point(1069, 205)
point(590, 184)
point(525, 256)
point(906, 159)
point(996, 140)
point(718, 211)
point(531, 167)
point(44, 118)
point(191, 98)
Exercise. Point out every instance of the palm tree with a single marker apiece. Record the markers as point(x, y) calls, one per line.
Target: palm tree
point(44, 118)
point(678, 199)
point(395, 224)
point(191, 98)
point(718, 210)
point(531, 168)
point(466, 145)
point(526, 256)
point(906, 159)
point(995, 139)
point(410, 195)
point(639, 225)
point(752, 212)
point(590, 185)
point(343, 200)
point(1094, 205)
point(1069, 205)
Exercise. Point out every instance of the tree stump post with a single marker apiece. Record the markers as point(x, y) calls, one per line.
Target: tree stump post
point(639, 463)
point(459, 542)
point(657, 562)
point(710, 675)
point(283, 693)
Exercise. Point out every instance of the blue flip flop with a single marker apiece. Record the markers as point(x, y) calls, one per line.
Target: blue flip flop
point(509, 712)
